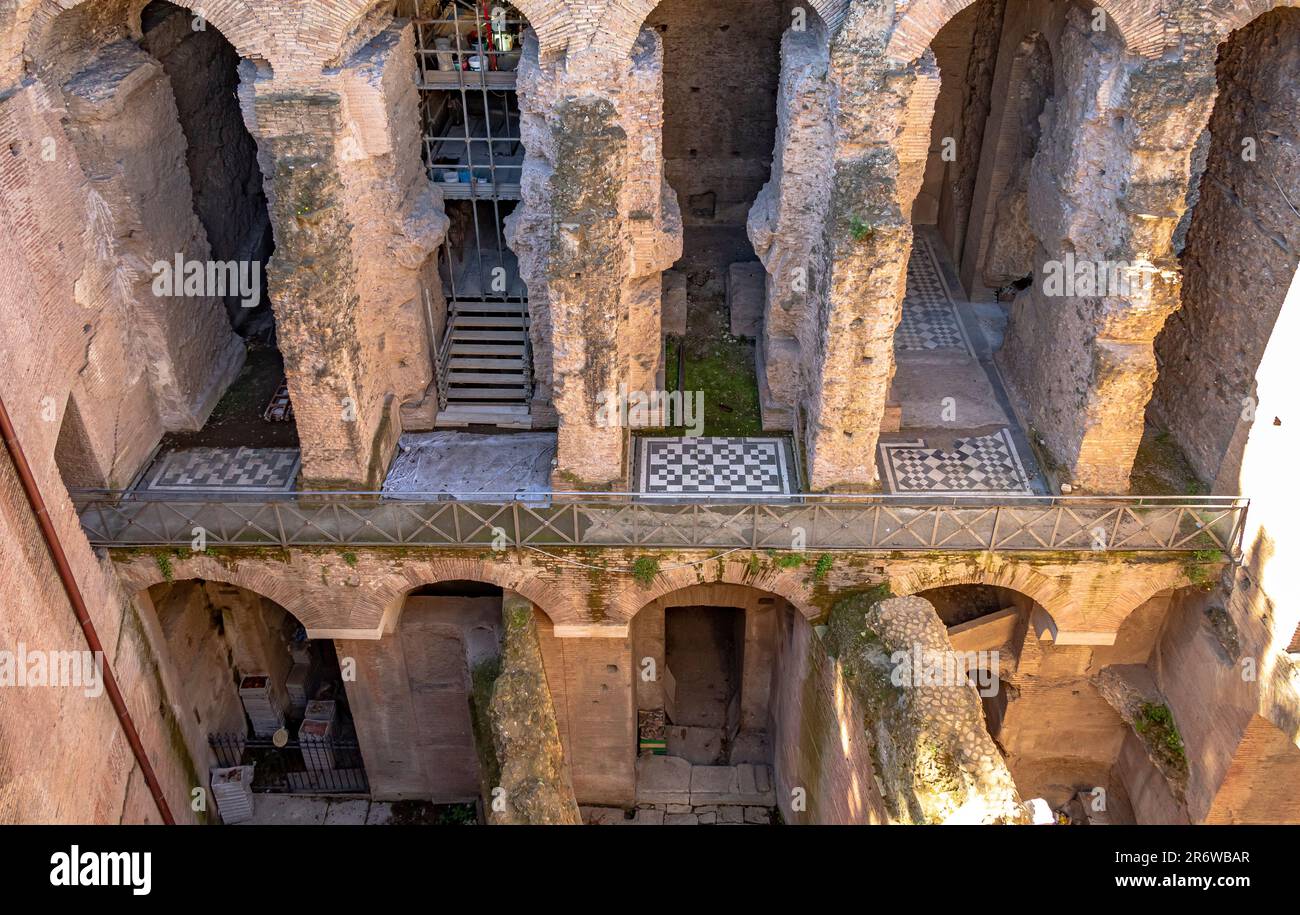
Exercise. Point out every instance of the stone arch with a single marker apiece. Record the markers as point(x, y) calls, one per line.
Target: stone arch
point(786, 584)
point(1140, 28)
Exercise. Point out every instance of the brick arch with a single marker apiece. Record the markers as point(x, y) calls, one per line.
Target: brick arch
point(782, 583)
point(391, 591)
point(259, 580)
point(1140, 28)
point(1131, 596)
point(247, 24)
point(1044, 591)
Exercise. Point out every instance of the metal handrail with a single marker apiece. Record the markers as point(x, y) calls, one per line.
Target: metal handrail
point(804, 522)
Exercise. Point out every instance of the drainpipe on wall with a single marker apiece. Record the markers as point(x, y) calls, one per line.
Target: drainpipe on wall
point(70, 587)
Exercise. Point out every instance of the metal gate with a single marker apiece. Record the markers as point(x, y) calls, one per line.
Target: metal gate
point(328, 765)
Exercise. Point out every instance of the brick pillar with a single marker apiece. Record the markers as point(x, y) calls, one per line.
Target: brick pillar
point(597, 227)
point(356, 222)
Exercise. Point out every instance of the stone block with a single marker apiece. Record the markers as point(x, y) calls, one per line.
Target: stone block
point(761, 816)
point(681, 819)
point(674, 303)
point(746, 293)
point(663, 780)
point(713, 784)
point(730, 813)
point(648, 818)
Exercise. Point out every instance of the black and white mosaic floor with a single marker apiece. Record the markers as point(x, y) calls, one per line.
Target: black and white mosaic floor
point(979, 464)
point(929, 320)
point(221, 469)
point(713, 466)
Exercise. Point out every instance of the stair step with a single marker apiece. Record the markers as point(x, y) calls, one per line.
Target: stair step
point(459, 363)
point(510, 416)
point(455, 377)
point(512, 308)
point(486, 349)
point(459, 393)
point(496, 409)
point(488, 321)
point(486, 335)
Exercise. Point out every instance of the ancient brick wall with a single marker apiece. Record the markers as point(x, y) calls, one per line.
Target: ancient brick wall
point(1243, 246)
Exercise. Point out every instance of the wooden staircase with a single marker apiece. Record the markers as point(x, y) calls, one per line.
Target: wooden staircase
point(485, 366)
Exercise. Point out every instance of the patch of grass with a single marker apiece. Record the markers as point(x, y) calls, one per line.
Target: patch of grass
point(165, 566)
point(789, 560)
point(644, 570)
point(1155, 723)
point(860, 229)
point(724, 370)
point(350, 558)
point(1162, 469)
point(823, 566)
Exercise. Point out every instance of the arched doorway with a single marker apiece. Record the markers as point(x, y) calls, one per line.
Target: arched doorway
point(250, 689)
point(422, 708)
point(705, 660)
point(976, 269)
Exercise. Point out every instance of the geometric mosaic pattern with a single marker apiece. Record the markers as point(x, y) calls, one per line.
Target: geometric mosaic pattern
point(985, 463)
point(713, 466)
point(929, 319)
point(215, 469)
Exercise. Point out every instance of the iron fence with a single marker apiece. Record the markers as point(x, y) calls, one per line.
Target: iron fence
point(801, 522)
point(327, 765)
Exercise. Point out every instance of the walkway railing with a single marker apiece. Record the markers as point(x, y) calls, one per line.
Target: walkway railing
point(800, 522)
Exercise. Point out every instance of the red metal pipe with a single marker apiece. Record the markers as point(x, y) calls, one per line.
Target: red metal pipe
point(52, 543)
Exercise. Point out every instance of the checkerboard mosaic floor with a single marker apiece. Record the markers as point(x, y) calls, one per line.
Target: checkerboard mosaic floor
point(984, 463)
point(216, 469)
point(929, 319)
point(713, 466)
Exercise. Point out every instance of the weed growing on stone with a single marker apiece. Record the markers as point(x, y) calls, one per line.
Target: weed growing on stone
point(644, 570)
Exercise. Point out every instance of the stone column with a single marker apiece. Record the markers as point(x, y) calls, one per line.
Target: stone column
point(123, 124)
point(597, 226)
point(356, 222)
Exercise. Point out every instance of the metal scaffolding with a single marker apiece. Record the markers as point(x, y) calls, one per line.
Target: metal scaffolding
point(468, 53)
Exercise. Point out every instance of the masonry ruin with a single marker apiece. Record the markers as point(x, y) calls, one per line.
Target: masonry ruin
point(653, 413)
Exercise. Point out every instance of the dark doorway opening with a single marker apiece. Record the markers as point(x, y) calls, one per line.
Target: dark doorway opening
point(704, 656)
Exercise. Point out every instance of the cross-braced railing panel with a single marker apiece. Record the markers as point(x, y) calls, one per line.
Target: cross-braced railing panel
point(806, 522)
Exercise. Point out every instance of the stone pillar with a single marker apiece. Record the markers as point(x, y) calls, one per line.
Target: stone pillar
point(534, 773)
point(597, 226)
point(859, 266)
point(1106, 191)
point(356, 222)
point(399, 216)
point(833, 230)
point(123, 124)
point(786, 218)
